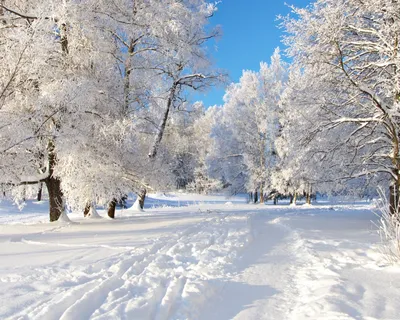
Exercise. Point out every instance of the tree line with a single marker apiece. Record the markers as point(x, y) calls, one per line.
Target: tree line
point(94, 102)
point(326, 122)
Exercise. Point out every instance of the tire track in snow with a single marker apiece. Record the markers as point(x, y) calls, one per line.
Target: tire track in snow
point(39, 309)
point(51, 307)
point(54, 310)
point(91, 300)
point(165, 258)
point(169, 301)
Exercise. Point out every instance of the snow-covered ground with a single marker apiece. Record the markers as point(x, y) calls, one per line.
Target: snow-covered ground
point(197, 257)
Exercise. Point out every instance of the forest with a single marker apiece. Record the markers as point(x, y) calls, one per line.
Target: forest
point(96, 102)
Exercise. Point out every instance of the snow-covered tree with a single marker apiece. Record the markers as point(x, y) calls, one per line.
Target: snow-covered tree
point(160, 48)
point(84, 88)
point(347, 55)
point(53, 87)
point(250, 125)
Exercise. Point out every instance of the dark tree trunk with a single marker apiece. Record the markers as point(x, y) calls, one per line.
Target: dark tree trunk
point(122, 201)
point(86, 210)
point(56, 202)
point(142, 197)
point(53, 184)
point(393, 200)
point(275, 200)
point(39, 194)
point(291, 198)
point(308, 198)
point(111, 208)
point(64, 39)
point(2, 12)
point(262, 194)
point(255, 196)
point(308, 193)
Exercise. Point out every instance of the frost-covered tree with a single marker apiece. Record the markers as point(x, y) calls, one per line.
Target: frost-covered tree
point(225, 159)
point(347, 54)
point(182, 143)
point(84, 88)
point(159, 60)
point(299, 168)
point(250, 125)
point(54, 85)
point(203, 179)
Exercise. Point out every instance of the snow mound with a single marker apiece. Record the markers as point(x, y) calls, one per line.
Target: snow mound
point(135, 208)
point(64, 219)
point(93, 214)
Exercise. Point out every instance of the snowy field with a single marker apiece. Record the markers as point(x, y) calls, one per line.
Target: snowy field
point(197, 257)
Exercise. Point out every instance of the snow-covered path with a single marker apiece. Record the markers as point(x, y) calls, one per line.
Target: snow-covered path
point(311, 263)
point(256, 290)
point(206, 261)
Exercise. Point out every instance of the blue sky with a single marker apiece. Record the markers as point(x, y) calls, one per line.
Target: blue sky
point(250, 35)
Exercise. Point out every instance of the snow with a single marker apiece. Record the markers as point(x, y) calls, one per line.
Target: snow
point(93, 214)
point(197, 257)
point(136, 206)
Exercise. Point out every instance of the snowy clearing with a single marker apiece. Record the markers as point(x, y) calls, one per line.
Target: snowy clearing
point(197, 257)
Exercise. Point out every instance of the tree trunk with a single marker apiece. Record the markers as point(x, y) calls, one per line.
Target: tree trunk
point(291, 198)
point(2, 12)
point(122, 201)
point(64, 39)
point(53, 184)
point(127, 77)
point(308, 193)
point(111, 208)
point(308, 197)
point(394, 199)
point(395, 184)
point(39, 194)
point(142, 197)
point(86, 210)
point(294, 200)
point(255, 196)
point(163, 123)
point(56, 201)
point(262, 194)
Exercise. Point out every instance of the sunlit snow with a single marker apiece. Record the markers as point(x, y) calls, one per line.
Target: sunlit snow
point(197, 257)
